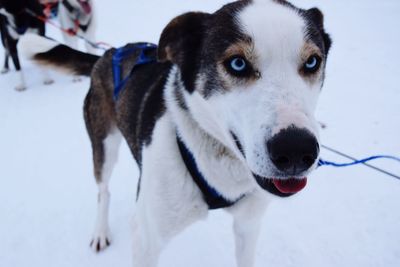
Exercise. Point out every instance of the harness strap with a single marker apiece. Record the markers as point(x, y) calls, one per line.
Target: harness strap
point(122, 53)
point(211, 196)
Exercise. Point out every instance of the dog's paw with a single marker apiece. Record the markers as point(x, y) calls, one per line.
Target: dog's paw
point(20, 88)
point(48, 81)
point(100, 241)
point(4, 71)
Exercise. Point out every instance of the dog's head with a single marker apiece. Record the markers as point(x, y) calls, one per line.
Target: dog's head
point(250, 77)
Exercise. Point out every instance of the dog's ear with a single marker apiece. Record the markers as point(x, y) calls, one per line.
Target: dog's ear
point(182, 35)
point(316, 16)
point(181, 43)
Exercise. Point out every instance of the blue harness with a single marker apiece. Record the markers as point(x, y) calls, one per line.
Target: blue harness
point(120, 54)
point(211, 196)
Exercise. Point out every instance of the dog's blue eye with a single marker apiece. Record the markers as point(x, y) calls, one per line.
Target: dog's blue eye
point(238, 64)
point(239, 67)
point(312, 64)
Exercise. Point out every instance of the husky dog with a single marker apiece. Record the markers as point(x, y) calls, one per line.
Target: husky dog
point(15, 21)
point(224, 118)
point(78, 17)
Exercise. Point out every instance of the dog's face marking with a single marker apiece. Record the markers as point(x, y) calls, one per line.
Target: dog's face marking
point(250, 71)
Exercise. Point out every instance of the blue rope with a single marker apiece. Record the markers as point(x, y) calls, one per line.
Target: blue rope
point(322, 162)
point(356, 161)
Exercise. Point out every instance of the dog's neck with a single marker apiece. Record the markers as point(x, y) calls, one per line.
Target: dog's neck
point(185, 124)
point(222, 169)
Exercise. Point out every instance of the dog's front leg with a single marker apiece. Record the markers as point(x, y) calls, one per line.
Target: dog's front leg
point(247, 215)
point(47, 80)
point(6, 67)
point(166, 206)
point(147, 244)
point(14, 56)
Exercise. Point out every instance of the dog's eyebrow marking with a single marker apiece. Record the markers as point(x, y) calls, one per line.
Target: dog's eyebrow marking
point(243, 47)
point(308, 49)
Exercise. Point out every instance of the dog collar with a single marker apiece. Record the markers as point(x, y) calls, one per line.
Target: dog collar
point(211, 196)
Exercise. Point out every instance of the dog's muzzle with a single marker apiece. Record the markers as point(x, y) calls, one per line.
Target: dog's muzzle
point(293, 152)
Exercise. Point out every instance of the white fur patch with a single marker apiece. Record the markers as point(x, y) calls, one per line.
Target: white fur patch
point(31, 44)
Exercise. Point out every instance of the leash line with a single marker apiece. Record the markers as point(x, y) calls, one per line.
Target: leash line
point(356, 161)
point(99, 45)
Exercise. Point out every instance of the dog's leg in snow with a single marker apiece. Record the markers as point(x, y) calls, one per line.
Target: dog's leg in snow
point(105, 139)
point(151, 228)
point(168, 199)
point(247, 215)
point(47, 80)
point(147, 242)
point(106, 155)
point(6, 67)
point(22, 84)
point(14, 55)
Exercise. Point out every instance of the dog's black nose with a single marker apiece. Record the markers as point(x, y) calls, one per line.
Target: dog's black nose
point(293, 150)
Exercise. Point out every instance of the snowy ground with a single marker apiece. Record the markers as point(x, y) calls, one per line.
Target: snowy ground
point(345, 217)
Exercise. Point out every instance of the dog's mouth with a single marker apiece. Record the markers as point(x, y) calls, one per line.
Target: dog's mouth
point(280, 187)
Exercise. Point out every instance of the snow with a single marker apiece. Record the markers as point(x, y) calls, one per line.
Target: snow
point(344, 217)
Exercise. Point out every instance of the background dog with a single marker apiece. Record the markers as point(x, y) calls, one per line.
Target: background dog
point(78, 17)
point(15, 21)
point(235, 90)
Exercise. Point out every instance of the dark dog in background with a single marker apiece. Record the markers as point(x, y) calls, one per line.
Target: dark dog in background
point(15, 21)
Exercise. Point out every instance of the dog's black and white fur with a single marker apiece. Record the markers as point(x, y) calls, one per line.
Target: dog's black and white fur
point(238, 87)
point(78, 17)
point(15, 21)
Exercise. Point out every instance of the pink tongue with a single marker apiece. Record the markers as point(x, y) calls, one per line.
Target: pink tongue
point(290, 186)
point(86, 7)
